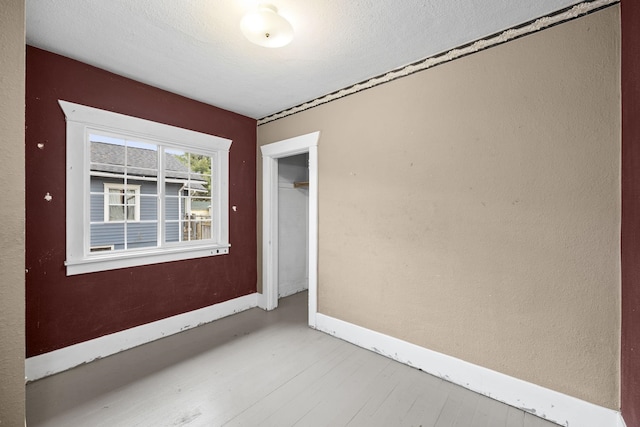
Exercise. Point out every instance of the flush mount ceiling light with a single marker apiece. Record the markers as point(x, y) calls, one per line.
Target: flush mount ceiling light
point(263, 26)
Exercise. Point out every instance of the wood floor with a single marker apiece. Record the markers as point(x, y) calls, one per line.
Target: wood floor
point(258, 368)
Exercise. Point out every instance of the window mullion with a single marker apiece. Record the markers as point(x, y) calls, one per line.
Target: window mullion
point(161, 191)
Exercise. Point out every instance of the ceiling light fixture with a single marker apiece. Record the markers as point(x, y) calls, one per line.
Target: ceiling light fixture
point(264, 27)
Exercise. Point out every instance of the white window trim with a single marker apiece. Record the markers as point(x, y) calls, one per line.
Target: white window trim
point(81, 120)
point(108, 186)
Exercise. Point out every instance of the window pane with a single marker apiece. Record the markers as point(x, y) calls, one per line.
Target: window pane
point(148, 207)
point(142, 159)
point(108, 234)
point(141, 235)
point(172, 231)
point(115, 196)
point(116, 213)
point(176, 164)
point(149, 187)
point(97, 205)
point(201, 207)
point(186, 217)
point(124, 157)
point(201, 212)
point(200, 228)
point(120, 200)
point(107, 154)
point(190, 200)
point(130, 203)
point(200, 173)
point(116, 207)
point(188, 230)
point(197, 218)
point(172, 208)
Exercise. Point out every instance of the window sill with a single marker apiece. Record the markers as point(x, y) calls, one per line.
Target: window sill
point(112, 261)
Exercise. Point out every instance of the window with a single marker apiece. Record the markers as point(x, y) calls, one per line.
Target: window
point(121, 202)
point(140, 192)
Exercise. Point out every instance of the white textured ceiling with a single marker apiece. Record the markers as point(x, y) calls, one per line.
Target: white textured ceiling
point(195, 47)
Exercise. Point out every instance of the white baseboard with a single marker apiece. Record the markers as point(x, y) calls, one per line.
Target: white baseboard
point(543, 402)
point(68, 357)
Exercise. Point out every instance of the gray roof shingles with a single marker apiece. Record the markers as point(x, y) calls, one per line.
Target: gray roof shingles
point(140, 162)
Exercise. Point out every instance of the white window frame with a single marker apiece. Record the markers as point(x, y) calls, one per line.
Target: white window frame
point(107, 206)
point(83, 120)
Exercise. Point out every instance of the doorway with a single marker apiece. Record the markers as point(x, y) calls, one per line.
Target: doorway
point(271, 153)
point(293, 224)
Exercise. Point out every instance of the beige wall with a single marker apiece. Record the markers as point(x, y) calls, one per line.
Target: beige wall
point(12, 69)
point(474, 208)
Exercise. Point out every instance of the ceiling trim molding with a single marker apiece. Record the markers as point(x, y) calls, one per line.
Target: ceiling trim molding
point(530, 27)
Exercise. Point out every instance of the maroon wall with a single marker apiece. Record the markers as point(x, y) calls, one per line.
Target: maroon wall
point(630, 351)
point(65, 310)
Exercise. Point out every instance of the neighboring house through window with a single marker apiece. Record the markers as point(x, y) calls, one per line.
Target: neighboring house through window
point(140, 192)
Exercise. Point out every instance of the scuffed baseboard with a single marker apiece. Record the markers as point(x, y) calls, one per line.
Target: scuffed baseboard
point(69, 357)
point(557, 407)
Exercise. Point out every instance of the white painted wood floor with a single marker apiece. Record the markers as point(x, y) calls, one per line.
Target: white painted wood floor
point(258, 368)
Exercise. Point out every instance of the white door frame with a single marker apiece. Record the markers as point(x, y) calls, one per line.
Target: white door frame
point(308, 143)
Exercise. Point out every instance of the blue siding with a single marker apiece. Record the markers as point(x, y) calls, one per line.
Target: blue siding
point(142, 235)
point(172, 232)
point(148, 208)
point(108, 234)
point(172, 213)
point(171, 208)
point(97, 207)
point(139, 234)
